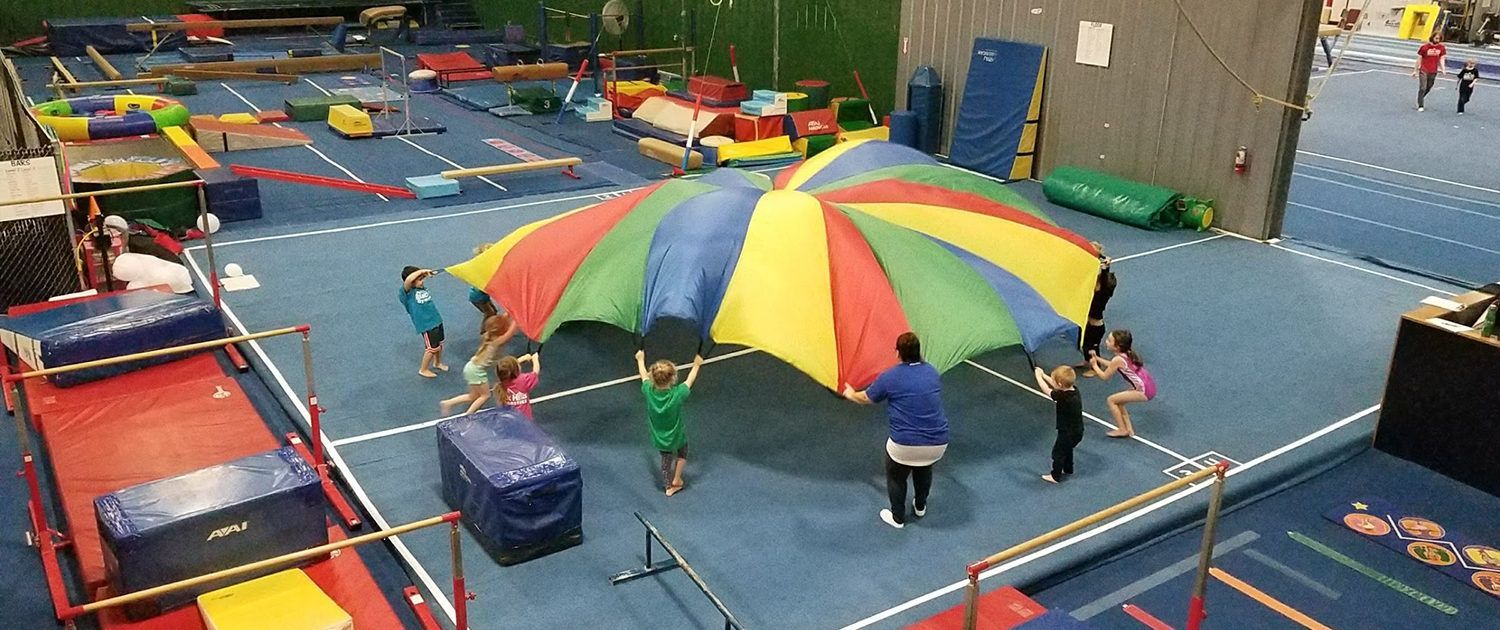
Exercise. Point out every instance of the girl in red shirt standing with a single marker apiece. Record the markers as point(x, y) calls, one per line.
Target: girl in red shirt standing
point(1429, 65)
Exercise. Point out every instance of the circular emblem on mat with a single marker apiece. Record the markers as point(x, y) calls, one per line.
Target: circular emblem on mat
point(1367, 524)
point(1436, 555)
point(1486, 557)
point(1487, 581)
point(1421, 527)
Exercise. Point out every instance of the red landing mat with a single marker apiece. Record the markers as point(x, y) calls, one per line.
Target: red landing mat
point(1000, 609)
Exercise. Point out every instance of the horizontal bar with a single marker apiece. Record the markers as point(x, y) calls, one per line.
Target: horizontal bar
point(139, 27)
point(296, 556)
point(647, 51)
point(103, 193)
point(202, 345)
point(688, 569)
point(619, 69)
point(631, 574)
point(501, 169)
point(115, 83)
point(562, 13)
point(1092, 519)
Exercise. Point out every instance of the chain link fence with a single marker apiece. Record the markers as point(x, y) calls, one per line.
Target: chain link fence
point(36, 252)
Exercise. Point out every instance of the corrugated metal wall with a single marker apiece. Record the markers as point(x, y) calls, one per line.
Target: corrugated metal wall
point(1164, 111)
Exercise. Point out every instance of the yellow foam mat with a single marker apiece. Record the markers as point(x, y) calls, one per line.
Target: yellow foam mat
point(633, 88)
point(756, 148)
point(239, 119)
point(873, 133)
point(288, 600)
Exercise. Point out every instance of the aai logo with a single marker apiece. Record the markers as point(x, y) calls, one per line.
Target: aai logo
point(988, 55)
point(231, 529)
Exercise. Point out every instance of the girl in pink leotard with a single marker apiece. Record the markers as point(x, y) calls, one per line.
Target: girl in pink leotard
point(1128, 363)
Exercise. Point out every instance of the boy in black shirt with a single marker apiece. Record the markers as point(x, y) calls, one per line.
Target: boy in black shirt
point(1466, 80)
point(1059, 386)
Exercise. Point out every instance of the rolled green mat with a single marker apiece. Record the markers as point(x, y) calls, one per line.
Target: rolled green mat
point(796, 102)
point(816, 91)
point(1113, 198)
point(819, 144)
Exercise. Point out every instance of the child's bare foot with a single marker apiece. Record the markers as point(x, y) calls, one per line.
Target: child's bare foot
point(426, 374)
point(440, 367)
point(1117, 433)
point(1048, 478)
point(674, 489)
point(445, 407)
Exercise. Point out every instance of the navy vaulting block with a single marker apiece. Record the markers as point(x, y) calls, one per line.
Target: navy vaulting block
point(521, 494)
point(206, 520)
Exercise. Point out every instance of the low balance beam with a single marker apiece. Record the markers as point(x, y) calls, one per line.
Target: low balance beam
point(229, 75)
point(107, 84)
point(103, 64)
point(500, 169)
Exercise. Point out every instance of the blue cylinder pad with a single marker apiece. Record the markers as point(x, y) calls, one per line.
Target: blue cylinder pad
point(924, 97)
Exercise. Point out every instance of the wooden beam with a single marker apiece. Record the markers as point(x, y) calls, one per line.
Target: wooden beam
point(233, 24)
point(191, 73)
point(62, 71)
point(102, 193)
point(107, 84)
point(501, 169)
point(104, 65)
point(296, 65)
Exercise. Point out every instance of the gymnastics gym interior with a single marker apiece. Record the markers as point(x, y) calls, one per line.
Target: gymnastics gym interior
point(227, 227)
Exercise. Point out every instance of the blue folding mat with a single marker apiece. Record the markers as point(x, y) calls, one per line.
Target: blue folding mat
point(210, 519)
point(997, 123)
point(109, 326)
point(521, 494)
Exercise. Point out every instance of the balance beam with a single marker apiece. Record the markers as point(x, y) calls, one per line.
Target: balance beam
point(104, 65)
point(143, 27)
point(191, 73)
point(293, 65)
point(529, 72)
point(501, 169)
point(103, 84)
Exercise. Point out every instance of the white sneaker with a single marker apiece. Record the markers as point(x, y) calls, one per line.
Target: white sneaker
point(920, 513)
point(1421, 109)
point(890, 519)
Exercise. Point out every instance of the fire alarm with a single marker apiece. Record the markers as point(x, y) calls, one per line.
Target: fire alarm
point(1241, 160)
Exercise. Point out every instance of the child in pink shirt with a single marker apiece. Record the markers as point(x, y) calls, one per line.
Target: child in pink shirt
point(514, 389)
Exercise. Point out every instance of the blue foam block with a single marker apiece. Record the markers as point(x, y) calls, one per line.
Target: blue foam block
point(429, 186)
point(518, 490)
point(110, 326)
point(210, 519)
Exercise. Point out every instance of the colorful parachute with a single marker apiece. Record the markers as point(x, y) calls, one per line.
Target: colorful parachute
point(824, 270)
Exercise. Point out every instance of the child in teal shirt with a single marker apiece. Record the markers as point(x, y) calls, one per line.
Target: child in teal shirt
point(664, 400)
point(424, 317)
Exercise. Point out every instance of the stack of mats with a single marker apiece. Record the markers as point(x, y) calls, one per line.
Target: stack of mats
point(453, 66)
point(521, 494)
point(1114, 198)
point(312, 108)
point(765, 103)
point(230, 197)
point(812, 131)
point(507, 54)
point(669, 118)
point(113, 325)
point(571, 53)
point(717, 91)
point(631, 94)
point(206, 520)
point(154, 423)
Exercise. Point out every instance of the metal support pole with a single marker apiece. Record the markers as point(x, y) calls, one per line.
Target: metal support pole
point(460, 591)
point(971, 602)
point(208, 246)
point(596, 28)
point(541, 31)
point(314, 412)
point(1206, 551)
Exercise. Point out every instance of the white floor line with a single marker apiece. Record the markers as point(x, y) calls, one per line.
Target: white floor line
point(305, 146)
point(1179, 456)
point(1396, 228)
point(320, 88)
point(1085, 535)
point(1400, 172)
point(447, 161)
point(1431, 193)
point(538, 400)
point(1398, 197)
point(597, 196)
point(333, 455)
point(1362, 269)
point(1167, 248)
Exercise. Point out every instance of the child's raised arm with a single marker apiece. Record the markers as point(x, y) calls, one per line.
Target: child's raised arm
point(510, 330)
point(415, 276)
point(1043, 382)
point(536, 363)
point(693, 373)
point(640, 365)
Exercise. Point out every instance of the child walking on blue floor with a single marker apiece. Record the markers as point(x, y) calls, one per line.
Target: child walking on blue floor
point(1132, 368)
point(1467, 79)
point(664, 401)
point(1059, 387)
point(424, 317)
point(477, 370)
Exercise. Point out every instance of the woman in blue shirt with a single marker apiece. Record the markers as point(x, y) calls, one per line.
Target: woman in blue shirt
point(912, 392)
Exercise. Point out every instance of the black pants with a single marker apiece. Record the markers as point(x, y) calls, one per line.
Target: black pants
point(1425, 81)
point(895, 484)
point(1093, 334)
point(1464, 92)
point(1062, 454)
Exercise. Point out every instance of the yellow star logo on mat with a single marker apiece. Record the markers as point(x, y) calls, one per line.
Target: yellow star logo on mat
point(1360, 506)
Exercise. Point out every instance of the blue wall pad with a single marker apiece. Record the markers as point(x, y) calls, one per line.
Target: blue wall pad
point(521, 494)
point(429, 37)
point(994, 117)
point(109, 326)
point(210, 519)
point(924, 97)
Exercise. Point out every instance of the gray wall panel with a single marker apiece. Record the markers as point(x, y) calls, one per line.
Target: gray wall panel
point(1164, 111)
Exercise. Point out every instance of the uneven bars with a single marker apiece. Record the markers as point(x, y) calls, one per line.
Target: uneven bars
point(296, 556)
point(102, 193)
point(202, 345)
point(971, 595)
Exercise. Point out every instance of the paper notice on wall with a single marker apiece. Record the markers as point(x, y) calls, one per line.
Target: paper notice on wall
point(1094, 39)
point(28, 177)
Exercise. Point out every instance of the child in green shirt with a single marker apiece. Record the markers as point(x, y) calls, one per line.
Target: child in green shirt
point(664, 399)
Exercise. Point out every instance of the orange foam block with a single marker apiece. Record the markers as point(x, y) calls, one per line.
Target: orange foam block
point(217, 137)
point(190, 150)
point(272, 116)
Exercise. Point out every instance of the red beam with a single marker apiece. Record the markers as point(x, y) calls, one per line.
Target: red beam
point(340, 504)
point(420, 608)
point(319, 180)
point(46, 543)
point(1146, 619)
